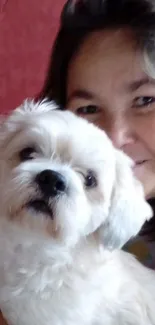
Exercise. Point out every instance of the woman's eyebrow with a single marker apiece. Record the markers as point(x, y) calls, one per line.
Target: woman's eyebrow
point(81, 94)
point(136, 84)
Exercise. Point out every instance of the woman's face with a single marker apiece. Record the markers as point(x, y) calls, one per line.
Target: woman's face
point(107, 85)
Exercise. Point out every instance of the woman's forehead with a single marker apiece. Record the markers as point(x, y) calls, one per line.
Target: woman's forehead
point(107, 39)
point(107, 59)
point(103, 48)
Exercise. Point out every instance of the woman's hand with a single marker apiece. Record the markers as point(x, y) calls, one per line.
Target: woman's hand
point(2, 321)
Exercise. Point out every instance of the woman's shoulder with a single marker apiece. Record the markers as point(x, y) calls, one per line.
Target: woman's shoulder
point(2, 321)
point(143, 250)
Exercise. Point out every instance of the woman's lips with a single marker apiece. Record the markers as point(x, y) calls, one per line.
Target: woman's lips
point(140, 162)
point(138, 166)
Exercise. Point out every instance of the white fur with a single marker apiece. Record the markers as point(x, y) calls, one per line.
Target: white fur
point(69, 270)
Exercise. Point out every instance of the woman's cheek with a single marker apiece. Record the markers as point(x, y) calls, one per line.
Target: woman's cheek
point(144, 127)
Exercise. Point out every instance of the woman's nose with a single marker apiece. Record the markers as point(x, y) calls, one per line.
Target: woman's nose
point(120, 132)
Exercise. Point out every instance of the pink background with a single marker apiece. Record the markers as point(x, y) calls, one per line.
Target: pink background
point(27, 31)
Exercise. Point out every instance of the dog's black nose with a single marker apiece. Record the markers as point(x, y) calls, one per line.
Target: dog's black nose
point(51, 182)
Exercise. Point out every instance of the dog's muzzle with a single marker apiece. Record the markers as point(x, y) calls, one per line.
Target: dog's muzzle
point(51, 185)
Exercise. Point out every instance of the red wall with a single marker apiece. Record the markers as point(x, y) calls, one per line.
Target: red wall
point(27, 30)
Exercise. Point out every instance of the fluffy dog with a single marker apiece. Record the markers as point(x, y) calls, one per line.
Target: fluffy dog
point(69, 202)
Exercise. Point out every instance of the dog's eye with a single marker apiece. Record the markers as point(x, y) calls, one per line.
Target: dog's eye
point(90, 180)
point(27, 154)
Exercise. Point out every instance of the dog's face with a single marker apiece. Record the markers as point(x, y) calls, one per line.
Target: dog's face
point(60, 176)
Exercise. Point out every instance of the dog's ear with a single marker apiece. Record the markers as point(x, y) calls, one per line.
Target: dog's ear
point(128, 209)
point(32, 107)
point(28, 109)
point(3, 120)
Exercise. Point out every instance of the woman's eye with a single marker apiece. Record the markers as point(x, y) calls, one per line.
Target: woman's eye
point(27, 153)
point(89, 109)
point(144, 101)
point(90, 180)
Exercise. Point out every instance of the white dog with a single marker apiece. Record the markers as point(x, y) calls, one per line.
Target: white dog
point(68, 203)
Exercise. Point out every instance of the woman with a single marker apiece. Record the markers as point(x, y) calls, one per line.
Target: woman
point(102, 67)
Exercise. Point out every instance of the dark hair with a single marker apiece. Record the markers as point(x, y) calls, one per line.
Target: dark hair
point(79, 18)
point(148, 230)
